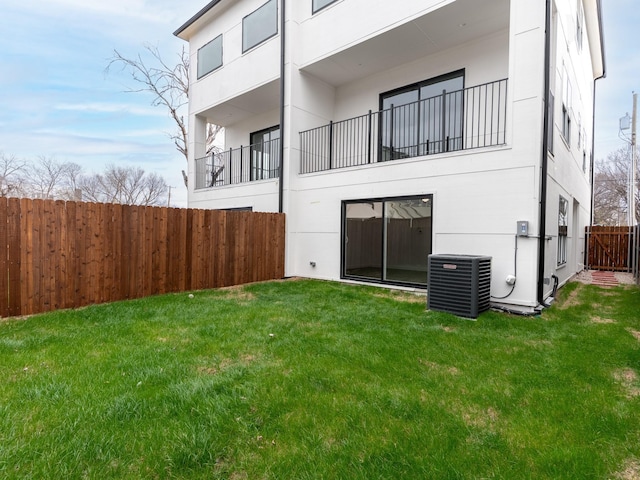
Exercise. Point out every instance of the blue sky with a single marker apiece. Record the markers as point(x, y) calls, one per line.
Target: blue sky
point(614, 97)
point(56, 100)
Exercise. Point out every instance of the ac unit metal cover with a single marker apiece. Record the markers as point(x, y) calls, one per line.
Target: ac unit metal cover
point(459, 284)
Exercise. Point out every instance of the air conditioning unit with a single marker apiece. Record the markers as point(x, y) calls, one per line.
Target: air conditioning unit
point(459, 284)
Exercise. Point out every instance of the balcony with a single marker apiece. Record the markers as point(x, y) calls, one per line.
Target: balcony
point(465, 119)
point(260, 161)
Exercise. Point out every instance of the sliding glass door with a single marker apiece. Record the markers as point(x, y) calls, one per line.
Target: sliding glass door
point(387, 240)
point(422, 118)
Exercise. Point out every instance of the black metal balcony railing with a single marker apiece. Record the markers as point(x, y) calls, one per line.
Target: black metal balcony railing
point(465, 119)
point(260, 161)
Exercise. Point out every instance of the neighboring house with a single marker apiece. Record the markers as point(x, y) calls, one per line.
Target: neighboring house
point(388, 130)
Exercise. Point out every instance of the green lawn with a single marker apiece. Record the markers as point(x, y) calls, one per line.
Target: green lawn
point(319, 380)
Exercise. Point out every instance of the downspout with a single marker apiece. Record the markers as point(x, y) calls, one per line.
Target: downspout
point(542, 234)
point(593, 146)
point(593, 123)
point(282, 129)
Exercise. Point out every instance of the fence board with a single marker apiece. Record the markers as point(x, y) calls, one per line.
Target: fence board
point(14, 237)
point(4, 259)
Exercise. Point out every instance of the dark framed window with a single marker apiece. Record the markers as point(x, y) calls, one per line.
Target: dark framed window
point(265, 153)
point(210, 57)
point(566, 125)
point(566, 108)
point(552, 106)
point(260, 25)
point(318, 5)
point(422, 118)
point(563, 222)
point(387, 240)
point(579, 25)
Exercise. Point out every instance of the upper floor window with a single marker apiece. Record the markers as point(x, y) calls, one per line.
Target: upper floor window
point(210, 56)
point(320, 4)
point(566, 107)
point(550, 113)
point(579, 25)
point(260, 25)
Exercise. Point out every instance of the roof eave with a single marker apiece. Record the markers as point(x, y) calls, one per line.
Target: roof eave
point(595, 29)
point(180, 31)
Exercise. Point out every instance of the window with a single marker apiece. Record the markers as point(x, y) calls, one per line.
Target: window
point(579, 25)
point(265, 153)
point(387, 240)
point(566, 108)
point(562, 231)
point(210, 56)
point(552, 106)
point(320, 4)
point(422, 118)
point(584, 161)
point(579, 145)
point(260, 25)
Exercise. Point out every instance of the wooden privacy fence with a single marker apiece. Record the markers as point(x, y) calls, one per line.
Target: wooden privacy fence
point(610, 248)
point(59, 254)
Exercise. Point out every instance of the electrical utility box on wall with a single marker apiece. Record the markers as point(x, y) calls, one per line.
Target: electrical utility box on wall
point(459, 284)
point(523, 228)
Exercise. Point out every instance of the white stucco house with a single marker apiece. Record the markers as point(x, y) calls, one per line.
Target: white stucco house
point(389, 130)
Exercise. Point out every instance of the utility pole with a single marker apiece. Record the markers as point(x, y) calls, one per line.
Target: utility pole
point(169, 198)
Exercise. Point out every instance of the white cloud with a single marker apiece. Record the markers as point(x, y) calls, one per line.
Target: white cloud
point(126, 108)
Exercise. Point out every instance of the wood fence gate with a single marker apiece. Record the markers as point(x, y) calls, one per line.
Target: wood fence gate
point(610, 248)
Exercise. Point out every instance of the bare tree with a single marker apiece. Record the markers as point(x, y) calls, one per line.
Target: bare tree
point(50, 179)
point(127, 185)
point(168, 83)
point(12, 175)
point(212, 132)
point(610, 189)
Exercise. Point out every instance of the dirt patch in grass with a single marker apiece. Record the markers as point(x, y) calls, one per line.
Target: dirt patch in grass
point(628, 378)
point(484, 419)
point(631, 470)
point(539, 343)
point(635, 333)
point(572, 299)
point(238, 294)
point(448, 329)
point(401, 296)
point(601, 320)
point(439, 368)
point(226, 363)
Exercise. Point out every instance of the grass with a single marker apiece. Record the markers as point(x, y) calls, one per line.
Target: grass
point(320, 380)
